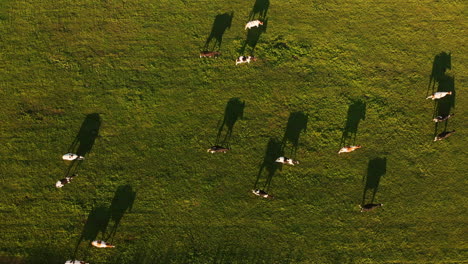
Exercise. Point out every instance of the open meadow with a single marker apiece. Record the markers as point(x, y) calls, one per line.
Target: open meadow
point(121, 82)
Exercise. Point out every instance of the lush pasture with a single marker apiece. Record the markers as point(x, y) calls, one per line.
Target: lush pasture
point(329, 71)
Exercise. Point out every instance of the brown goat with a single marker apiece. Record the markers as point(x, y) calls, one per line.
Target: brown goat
point(209, 54)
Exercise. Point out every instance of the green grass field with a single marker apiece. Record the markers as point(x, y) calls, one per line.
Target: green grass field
point(328, 71)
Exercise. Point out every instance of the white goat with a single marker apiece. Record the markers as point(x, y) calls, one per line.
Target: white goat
point(245, 59)
point(71, 156)
point(251, 24)
point(438, 95)
point(75, 262)
point(288, 161)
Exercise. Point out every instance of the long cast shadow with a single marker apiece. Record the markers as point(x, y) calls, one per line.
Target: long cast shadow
point(221, 23)
point(122, 202)
point(89, 130)
point(356, 113)
point(234, 111)
point(99, 218)
point(97, 222)
point(297, 123)
point(445, 83)
point(376, 169)
point(259, 10)
point(83, 142)
point(253, 36)
point(272, 152)
point(441, 63)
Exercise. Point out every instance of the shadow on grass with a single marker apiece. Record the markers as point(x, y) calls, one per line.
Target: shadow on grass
point(297, 123)
point(376, 169)
point(441, 63)
point(99, 218)
point(84, 141)
point(122, 202)
point(252, 38)
point(356, 113)
point(97, 222)
point(272, 152)
point(259, 10)
point(234, 111)
point(221, 23)
point(445, 83)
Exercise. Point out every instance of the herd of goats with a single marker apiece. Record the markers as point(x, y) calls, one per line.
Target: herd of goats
point(282, 159)
point(259, 192)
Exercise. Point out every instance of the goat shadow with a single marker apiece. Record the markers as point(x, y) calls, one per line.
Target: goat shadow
point(356, 113)
point(89, 130)
point(100, 216)
point(376, 169)
point(72, 168)
point(272, 152)
point(97, 222)
point(445, 83)
point(259, 10)
point(297, 123)
point(441, 63)
point(253, 36)
point(221, 23)
point(234, 111)
point(122, 202)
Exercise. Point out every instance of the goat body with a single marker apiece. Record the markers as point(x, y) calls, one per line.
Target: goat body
point(443, 135)
point(101, 244)
point(75, 262)
point(254, 23)
point(262, 193)
point(349, 149)
point(217, 149)
point(209, 54)
point(245, 59)
point(62, 182)
point(288, 161)
point(438, 119)
point(67, 180)
point(438, 95)
point(71, 156)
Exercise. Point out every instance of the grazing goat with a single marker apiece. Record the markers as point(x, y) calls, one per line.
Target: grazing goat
point(288, 161)
point(75, 262)
point(217, 149)
point(62, 182)
point(251, 24)
point(101, 244)
point(209, 54)
point(443, 135)
point(262, 193)
point(71, 156)
point(369, 207)
point(438, 119)
point(349, 149)
point(245, 59)
point(438, 95)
